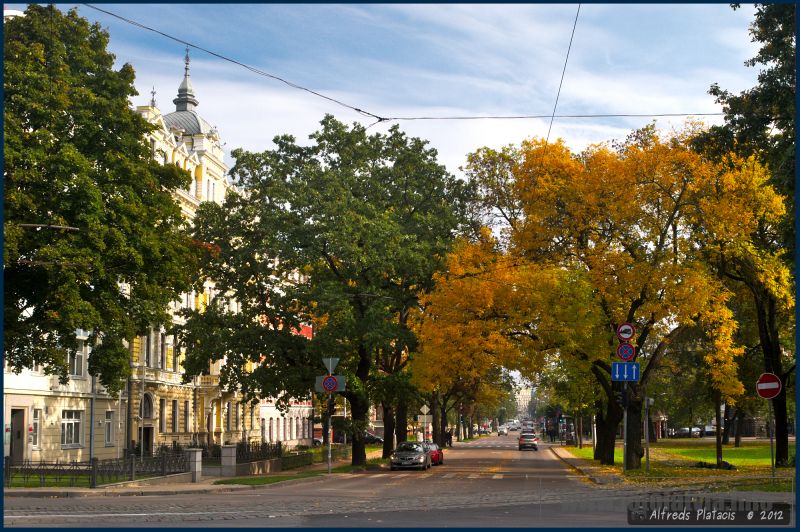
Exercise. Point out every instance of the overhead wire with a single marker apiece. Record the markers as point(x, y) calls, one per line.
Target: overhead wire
point(379, 118)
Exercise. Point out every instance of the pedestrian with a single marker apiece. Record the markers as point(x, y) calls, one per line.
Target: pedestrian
point(450, 437)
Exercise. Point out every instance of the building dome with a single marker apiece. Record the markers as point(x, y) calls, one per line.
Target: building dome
point(185, 118)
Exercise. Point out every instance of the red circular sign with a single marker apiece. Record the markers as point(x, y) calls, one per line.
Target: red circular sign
point(768, 385)
point(625, 331)
point(625, 351)
point(329, 383)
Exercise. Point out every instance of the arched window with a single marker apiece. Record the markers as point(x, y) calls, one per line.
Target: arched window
point(271, 430)
point(297, 435)
point(146, 411)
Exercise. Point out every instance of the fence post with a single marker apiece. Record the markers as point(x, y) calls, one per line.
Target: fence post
point(93, 478)
point(195, 458)
point(163, 464)
point(133, 466)
point(228, 456)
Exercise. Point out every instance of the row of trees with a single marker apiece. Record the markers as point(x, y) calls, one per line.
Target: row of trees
point(428, 288)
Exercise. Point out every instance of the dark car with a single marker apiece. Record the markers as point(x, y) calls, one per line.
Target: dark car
point(437, 454)
point(528, 440)
point(372, 438)
point(410, 455)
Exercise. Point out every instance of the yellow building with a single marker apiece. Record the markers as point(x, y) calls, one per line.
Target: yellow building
point(200, 411)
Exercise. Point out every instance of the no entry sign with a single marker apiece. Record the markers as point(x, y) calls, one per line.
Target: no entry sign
point(768, 385)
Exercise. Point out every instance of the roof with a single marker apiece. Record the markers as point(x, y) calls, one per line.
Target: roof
point(189, 121)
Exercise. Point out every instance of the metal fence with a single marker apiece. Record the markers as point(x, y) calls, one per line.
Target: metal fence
point(254, 451)
point(291, 461)
point(92, 473)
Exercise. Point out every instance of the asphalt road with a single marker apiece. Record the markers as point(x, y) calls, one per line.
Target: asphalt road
point(485, 483)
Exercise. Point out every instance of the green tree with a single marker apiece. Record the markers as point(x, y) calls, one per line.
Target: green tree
point(761, 122)
point(75, 156)
point(344, 233)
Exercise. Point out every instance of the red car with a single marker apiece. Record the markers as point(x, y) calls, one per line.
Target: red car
point(437, 454)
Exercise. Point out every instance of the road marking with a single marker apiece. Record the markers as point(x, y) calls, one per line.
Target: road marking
point(497, 476)
point(449, 475)
point(474, 476)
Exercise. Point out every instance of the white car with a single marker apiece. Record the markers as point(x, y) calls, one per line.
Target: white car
point(502, 431)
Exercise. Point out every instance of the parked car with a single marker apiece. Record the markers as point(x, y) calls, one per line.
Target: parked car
point(317, 442)
point(502, 431)
point(528, 440)
point(437, 454)
point(411, 455)
point(688, 432)
point(709, 430)
point(372, 438)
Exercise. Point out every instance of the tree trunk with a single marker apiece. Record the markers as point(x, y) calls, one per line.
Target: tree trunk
point(443, 421)
point(436, 435)
point(607, 423)
point(470, 424)
point(579, 430)
point(726, 422)
point(633, 436)
point(401, 420)
point(388, 429)
point(768, 332)
point(739, 424)
point(359, 404)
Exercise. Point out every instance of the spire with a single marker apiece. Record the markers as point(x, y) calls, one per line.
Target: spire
point(153, 97)
point(185, 100)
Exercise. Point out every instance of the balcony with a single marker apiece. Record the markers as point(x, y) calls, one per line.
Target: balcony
point(209, 380)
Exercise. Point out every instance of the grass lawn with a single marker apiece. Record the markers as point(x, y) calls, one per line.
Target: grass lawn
point(260, 481)
point(50, 481)
point(673, 461)
point(350, 468)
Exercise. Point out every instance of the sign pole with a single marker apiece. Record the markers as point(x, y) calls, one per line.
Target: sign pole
point(771, 450)
point(330, 430)
point(625, 429)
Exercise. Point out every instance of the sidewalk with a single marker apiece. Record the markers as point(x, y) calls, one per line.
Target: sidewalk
point(596, 473)
point(206, 485)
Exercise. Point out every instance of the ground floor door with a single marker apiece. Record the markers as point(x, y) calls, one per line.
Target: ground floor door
point(18, 434)
point(147, 440)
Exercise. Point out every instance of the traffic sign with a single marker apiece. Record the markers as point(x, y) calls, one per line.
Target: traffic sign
point(625, 331)
point(330, 363)
point(329, 383)
point(339, 382)
point(625, 371)
point(424, 409)
point(626, 351)
point(768, 385)
point(424, 419)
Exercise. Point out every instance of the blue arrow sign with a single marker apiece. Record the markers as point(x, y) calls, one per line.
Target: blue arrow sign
point(625, 371)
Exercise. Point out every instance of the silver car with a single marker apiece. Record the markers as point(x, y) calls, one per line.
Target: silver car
point(410, 455)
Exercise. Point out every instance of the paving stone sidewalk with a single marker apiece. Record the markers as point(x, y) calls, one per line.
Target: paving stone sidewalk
point(206, 485)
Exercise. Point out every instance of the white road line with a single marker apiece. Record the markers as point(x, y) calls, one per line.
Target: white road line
point(497, 476)
point(474, 476)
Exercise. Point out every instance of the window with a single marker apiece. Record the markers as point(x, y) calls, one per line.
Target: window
point(162, 415)
point(186, 416)
point(71, 428)
point(76, 361)
point(147, 403)
point(175, 355)
point(236, 423)
point(252, 417)
point(109, 426)
point(163, 345)
point(228, 417)
point(147, 349)
point(37, 421)
point(174, 415)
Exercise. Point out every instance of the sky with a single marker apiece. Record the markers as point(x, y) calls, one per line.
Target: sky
point(436, 60)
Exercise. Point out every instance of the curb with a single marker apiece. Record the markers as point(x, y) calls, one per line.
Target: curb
point(609, 479)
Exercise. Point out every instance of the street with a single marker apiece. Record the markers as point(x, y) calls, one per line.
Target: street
point(483, 483)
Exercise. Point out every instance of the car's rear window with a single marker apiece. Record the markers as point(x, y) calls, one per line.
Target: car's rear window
point(528, 436)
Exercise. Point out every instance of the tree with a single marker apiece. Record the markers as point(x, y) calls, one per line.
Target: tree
point(93, 238)
point(344, 234)
point(630, 219)
point(760, 122)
